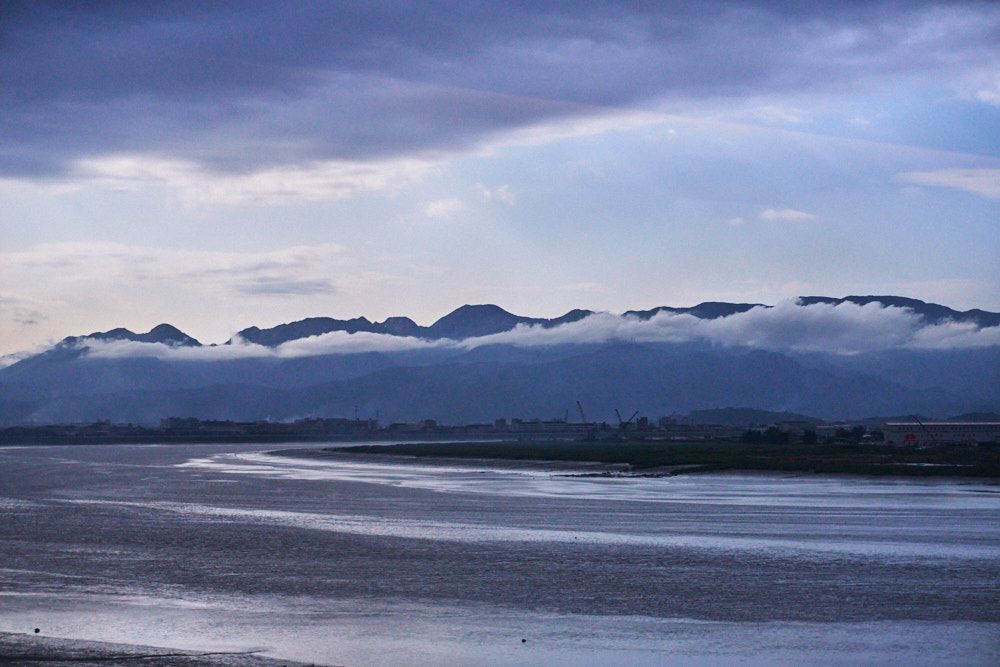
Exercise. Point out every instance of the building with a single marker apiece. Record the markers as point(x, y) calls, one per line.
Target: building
point(797, 427)
point(547, 427)
point(941, 433)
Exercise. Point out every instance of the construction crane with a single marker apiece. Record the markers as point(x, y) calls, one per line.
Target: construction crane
point(579, 408)
point(930, 435)
point(624, 424)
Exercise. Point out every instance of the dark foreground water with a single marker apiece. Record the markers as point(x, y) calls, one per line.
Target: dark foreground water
point(358, 563)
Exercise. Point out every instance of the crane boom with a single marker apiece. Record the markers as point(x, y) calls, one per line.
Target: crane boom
point(623, 423)
point(930, 436)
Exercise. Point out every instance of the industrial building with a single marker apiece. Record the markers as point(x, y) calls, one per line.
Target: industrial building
point(941, 433)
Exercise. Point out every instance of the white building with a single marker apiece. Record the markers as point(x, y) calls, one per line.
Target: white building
point(941, 433)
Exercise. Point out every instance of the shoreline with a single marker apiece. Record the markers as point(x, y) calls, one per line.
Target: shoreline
point(645, 460)
point(27, 649)
point(473, 464)
point(559, 468)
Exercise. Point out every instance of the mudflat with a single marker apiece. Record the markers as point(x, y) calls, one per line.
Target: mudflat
point(666, 458)
point(30, 649)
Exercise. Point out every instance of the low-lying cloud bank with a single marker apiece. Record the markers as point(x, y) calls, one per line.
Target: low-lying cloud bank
point(842, 329)
point(336, 342)
point(838, 329)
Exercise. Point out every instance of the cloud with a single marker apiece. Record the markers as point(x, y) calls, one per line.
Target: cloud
point(954, 335)
point(270, 286)
point(258, 87)
point(11, 359)
point(787, 326)
point(735, 222)
point(75, 287)
point(23, 312)
point(500, 193)
point(299, 268)
point(321, 180)
point(982, 182)
point(776, 113)
point(785, 214)
point(991, 97)
point(842, 329)
point(839, 329)
point(336, 342)
point(444, 208)
point(19, 319)
point(990, 94)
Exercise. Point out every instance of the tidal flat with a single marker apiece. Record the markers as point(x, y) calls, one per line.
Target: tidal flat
point(644, 457)
point(365, 560)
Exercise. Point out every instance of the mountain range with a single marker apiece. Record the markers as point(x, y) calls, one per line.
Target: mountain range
point(470, 321)
point(465, 322)
point(456, 384)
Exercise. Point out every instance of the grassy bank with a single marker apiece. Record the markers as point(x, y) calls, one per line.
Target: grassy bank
point(950, 461)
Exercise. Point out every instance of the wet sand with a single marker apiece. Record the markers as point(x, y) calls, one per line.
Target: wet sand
point(31, 649)
point(665, 459)
point(224, 549)
point(465, 462)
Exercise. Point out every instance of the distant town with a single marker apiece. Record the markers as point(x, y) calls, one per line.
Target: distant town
point(980, 428)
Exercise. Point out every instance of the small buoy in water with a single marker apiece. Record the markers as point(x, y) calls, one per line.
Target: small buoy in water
point(37, 631)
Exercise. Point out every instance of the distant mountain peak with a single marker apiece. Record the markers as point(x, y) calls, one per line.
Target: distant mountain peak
point(166, 334)
point(478, 308)
point(707, 310)
point(401, 326)
point(470, 321)
point(475, 320)
point(310, 326)
point(66, 383)
point(932, 313)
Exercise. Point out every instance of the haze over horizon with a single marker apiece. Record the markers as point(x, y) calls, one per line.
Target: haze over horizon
point(221, 166)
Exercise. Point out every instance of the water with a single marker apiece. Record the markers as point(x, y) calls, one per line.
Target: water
point(362, 563)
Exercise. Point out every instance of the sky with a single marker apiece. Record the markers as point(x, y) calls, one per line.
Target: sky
point(220, 165)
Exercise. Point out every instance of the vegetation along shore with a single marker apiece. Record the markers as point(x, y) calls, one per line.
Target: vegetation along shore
point(667, 458)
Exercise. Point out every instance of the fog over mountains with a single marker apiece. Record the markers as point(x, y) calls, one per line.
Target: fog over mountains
point(465, 322)
point(850, 357)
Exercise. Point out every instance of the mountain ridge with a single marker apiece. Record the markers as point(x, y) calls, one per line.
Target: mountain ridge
point(933, 313)
point(657, 379)
point(457, 385)
point(454, 382)
point(474, 320)
point(485, 319)
point(464, 322)
point(166, 334)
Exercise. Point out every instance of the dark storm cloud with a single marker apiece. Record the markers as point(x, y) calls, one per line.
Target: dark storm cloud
point(236, 86)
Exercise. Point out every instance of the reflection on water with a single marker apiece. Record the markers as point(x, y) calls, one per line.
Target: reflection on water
point(775, 490)
point(471, 532)
point(356, 562)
